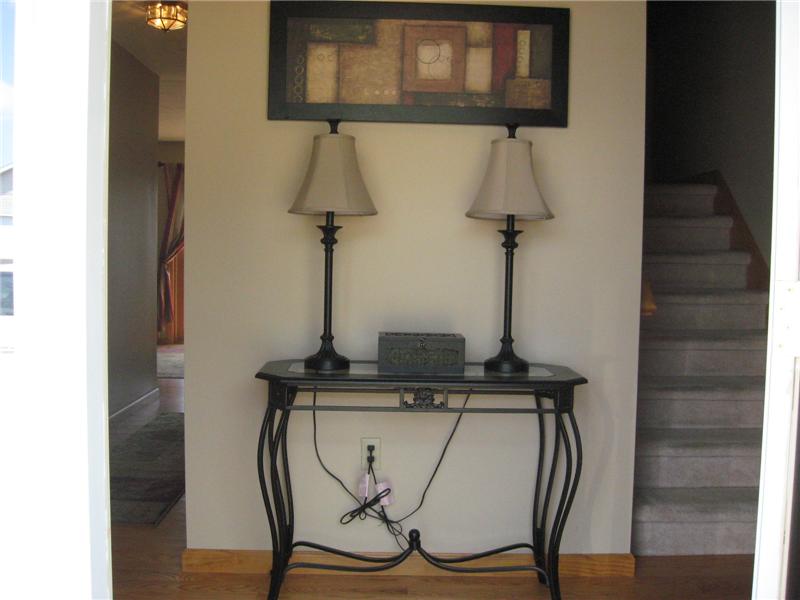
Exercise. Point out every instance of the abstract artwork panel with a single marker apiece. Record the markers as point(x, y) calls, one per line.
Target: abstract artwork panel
point(322, 73)
point(384, 61)
point(434, 58)
point(478, 78)
point(370, 73)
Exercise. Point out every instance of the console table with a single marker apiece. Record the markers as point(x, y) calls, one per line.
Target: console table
point(551, 390)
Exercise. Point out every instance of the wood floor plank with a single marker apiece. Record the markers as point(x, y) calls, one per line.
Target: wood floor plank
point(195, 560)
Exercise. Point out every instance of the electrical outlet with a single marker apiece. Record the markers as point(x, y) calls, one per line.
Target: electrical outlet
point(376, 453)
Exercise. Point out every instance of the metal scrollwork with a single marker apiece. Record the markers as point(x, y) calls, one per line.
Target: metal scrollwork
point(424, 397)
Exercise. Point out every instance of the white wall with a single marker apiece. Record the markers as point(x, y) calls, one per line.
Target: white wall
point(54, 436)
point(254, 292)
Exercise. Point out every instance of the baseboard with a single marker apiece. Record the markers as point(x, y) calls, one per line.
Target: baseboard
point(154, 393)
point(198, 560)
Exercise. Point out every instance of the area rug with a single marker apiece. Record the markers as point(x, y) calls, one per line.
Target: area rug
point(169, 362)
point(147, 471)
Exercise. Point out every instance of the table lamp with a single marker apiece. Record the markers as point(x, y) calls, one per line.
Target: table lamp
point(333, 185)
point(509, 192)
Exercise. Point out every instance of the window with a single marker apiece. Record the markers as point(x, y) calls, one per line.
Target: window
point(6, 162)
point(6, 293)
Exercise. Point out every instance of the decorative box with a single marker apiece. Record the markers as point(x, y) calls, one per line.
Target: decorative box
point(420, 352)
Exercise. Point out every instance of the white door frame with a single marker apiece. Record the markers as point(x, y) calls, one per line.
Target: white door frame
point(783, 354)
point(54, 427)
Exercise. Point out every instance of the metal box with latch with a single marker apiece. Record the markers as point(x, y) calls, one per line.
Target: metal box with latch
point(420, 353)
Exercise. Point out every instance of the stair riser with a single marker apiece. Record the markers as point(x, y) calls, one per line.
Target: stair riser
point(707, 316)
point(708, 505)
point(697, 471)
point(666, 275)
point(670, 539)
point(685, 239)
point(673, 205)
point(674, 362)
point(700, 413)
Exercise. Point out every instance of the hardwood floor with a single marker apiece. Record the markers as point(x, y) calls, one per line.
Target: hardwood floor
point(168, 399)
point(146, 566)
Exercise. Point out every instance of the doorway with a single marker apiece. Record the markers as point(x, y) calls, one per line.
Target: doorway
point(145, 274)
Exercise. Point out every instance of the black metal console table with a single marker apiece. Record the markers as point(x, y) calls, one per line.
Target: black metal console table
point(551, 389)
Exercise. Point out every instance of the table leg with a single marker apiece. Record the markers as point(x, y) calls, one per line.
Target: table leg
point(538, 527)
point(541, 541)
point(277, 501)
point(572, 472)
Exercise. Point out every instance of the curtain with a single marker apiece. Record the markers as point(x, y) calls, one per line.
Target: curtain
point(171, 240)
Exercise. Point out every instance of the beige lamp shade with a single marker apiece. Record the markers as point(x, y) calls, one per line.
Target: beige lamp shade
point(333, 181)
point(508, 187)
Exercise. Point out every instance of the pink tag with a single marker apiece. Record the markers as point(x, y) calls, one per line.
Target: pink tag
point(363, 486)
point(387, 500)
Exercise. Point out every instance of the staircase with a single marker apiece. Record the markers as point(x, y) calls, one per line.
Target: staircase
point(702, 361)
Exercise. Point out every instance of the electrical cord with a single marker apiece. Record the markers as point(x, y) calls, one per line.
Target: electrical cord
point(361, 511)
point(367, 507)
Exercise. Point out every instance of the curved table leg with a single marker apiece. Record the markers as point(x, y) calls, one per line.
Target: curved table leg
point(540, 522)
point(346, 554)
point(266, 425)
point(449, 565)
point(383, 566)
point(538, 536)
point(279, 505)
point(572, 474)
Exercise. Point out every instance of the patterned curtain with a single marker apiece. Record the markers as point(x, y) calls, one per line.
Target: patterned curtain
point(171, 240)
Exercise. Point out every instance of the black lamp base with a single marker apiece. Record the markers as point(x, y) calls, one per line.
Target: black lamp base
point(327, 359)
point(506, 362)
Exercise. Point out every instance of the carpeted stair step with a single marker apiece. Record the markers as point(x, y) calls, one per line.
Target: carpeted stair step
point(687, 234)
point(680, 521)
point(706, 270)
point(700, 401)
point(687, 200)
point(667, 458)
point(709, 309)
point(693, 352)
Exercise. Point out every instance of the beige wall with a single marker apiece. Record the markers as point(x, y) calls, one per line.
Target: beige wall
point(132, 252)
point(254, 290)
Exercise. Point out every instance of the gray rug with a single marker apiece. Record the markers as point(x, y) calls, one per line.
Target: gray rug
point(147, 471)
point(169, 364)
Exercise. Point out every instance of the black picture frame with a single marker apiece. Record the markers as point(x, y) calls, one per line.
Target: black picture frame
point(279, 108)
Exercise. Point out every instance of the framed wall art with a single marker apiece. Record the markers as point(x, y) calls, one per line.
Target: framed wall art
point(425, 63)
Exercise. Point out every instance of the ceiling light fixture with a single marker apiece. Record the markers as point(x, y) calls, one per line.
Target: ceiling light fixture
point(167, 16)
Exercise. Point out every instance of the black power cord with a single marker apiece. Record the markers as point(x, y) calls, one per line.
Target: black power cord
point(371, 507)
